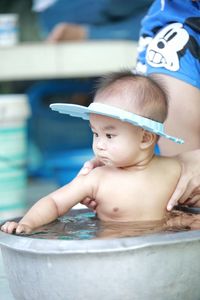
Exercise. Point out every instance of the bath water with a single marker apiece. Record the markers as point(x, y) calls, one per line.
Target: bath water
point(83, 224)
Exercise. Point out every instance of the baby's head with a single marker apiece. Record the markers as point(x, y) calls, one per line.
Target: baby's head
point(135, 93)
point(120, 143)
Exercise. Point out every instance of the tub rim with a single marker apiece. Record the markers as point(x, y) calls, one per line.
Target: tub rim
point(47, 246)
point(22, 243)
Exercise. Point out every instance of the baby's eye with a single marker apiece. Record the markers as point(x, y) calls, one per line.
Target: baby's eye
point(95, 134)
point(109, 136)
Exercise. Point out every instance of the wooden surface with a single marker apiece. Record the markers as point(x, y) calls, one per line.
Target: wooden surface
point(65, 60)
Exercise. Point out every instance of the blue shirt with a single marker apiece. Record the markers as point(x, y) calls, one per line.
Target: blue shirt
point(170, 40)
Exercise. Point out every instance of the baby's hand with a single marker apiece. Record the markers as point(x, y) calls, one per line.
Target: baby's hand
point(11, 227)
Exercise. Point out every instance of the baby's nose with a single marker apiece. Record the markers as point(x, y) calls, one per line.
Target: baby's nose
point(100, 144)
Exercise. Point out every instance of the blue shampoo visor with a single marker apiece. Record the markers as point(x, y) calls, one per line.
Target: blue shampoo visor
point(84, 112)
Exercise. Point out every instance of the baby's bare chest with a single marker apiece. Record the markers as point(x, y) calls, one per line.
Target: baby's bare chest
point(132, 198)
point(120, 200)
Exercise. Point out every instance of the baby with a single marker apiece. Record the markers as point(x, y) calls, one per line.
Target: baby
point(133, 184)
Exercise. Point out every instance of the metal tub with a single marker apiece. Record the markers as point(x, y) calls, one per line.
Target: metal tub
point(153, 267)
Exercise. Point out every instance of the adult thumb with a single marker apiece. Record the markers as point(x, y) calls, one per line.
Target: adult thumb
point(177, 194)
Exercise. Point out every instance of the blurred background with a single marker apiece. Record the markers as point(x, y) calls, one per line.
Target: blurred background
point(54, 51)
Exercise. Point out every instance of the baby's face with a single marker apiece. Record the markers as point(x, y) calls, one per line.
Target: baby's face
point(115, 143)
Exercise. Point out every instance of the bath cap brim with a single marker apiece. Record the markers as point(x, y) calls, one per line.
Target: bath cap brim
point(84, 112)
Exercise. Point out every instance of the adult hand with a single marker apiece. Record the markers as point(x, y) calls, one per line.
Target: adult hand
point(89, 166)
point(188, 188)
point(86, 169)
point(67, 32)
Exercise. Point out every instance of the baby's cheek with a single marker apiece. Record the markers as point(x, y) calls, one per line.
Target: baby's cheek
point(116, 149)
point(117, 156)
point(113, 149)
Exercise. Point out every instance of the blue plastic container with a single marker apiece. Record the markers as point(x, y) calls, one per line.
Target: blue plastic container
point(66, 165)
point(50, 133)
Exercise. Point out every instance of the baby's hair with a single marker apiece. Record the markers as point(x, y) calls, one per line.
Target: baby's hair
point(138, 93)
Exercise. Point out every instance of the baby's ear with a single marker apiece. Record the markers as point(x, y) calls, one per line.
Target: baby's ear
point(148, 139)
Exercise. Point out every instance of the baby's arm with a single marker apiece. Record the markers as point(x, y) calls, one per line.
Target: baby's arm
point(56, 204)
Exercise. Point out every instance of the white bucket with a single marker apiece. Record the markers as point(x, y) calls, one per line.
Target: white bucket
point(9, 29)
point(14, 111)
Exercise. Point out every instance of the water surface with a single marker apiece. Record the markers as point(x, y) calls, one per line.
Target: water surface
point(83, 224)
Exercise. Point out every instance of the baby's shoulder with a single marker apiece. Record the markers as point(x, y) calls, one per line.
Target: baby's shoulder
point(103, 172)
point(170, 162)
point(97, 174)
point(170, 167)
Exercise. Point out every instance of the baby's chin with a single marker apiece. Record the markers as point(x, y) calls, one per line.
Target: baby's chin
point(109, 163)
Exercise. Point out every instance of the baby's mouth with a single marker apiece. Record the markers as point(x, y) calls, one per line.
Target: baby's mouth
point(103, 159)
point(106, 161)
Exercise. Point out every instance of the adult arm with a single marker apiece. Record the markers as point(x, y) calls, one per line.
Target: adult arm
point(119, 30)
point(183, 118)
point(115, 19)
